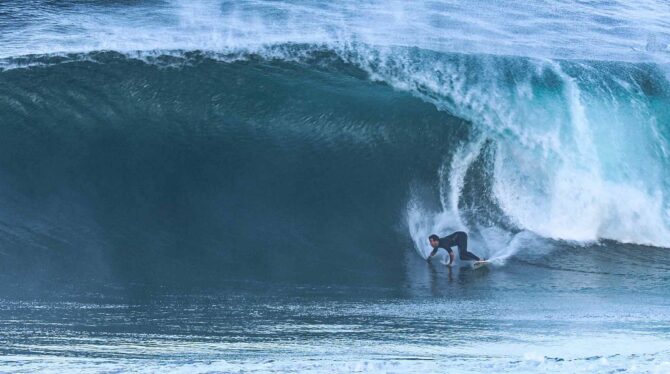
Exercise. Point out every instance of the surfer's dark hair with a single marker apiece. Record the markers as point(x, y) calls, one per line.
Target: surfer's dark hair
point(434, 237)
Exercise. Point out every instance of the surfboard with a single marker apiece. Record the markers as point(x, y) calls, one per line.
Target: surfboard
point(479, 264)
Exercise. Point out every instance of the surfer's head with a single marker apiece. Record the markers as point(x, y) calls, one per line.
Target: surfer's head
point(434, 240)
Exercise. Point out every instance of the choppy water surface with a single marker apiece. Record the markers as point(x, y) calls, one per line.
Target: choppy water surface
point(531, 315)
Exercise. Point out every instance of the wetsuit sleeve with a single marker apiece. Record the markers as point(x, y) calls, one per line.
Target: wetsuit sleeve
point(435, 251)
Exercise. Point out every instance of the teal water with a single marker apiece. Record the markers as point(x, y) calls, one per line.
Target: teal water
point(222, 187)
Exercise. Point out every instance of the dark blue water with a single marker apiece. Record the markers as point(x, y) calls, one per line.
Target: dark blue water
point(213, 186)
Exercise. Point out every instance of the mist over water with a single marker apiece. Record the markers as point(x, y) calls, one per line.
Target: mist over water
point(557, 29)
point(224, 186)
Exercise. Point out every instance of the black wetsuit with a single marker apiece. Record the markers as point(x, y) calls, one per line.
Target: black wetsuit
point(459, 239)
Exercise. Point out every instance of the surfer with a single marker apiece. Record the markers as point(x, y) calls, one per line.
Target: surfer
point(459, 239)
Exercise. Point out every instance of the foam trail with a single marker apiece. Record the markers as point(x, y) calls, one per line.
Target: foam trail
point(451, 176)
point(460, 163)
point(581, 198)
point(422, 223)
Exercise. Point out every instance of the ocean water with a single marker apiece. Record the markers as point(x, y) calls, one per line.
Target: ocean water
point(217, 186)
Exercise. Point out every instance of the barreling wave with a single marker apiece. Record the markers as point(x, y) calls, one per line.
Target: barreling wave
point(294, 157)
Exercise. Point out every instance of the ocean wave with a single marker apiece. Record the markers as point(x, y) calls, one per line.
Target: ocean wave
point(256, 154)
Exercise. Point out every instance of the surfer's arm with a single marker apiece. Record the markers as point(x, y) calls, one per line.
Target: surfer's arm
point(451, 258)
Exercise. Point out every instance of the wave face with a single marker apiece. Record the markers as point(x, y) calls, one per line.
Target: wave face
point(245, 168)
point(189, 161)
point(192, 147)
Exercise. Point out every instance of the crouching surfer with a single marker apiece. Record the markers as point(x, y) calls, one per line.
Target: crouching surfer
point(458, 239)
